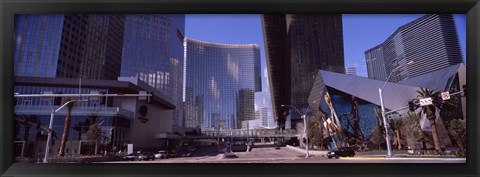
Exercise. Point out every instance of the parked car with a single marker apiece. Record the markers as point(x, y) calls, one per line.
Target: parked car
point(131, 156)
point(341, 152)
point(191, 148)
point(172, 153)
point(161, 155)
point(188, 153)
point(146, 156)
point(279, 144)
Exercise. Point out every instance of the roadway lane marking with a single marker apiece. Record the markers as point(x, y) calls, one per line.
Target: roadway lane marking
point(290, 153)
point(203, 157)
point(268, 155)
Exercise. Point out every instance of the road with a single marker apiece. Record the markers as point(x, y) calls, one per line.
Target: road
point(268, 154)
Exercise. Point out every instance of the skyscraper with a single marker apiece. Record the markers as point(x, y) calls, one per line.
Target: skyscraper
point(429, 43)
point(153, 52)
point(297, 46)
point(69, 46)
point(104, 47)
point(37, 44)
point(220, 82)
point(351, 70)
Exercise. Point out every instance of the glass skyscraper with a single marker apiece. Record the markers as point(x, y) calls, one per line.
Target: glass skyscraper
point(94, 47)
point(430, 42)
point(68, 46)
point(221, 81)
point(153, 51)
point(37, 44)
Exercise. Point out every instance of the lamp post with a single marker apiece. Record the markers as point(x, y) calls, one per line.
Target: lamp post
point(380, 92)
point(304, 117)
point(50, 127)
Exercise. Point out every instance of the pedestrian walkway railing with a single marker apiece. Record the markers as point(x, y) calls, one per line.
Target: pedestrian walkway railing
point(250, 133)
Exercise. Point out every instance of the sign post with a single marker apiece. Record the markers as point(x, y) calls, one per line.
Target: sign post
point(445, 95)
point(426, 101)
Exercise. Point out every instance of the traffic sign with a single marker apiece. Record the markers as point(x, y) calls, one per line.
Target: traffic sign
point(394, 116)
point(445, 96)
point(426, 101)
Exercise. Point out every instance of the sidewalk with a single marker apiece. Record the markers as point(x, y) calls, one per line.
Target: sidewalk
point(311, 152)
point(396, 155)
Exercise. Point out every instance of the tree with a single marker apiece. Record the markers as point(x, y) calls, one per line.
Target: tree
point(457, 130)
point(396, 125)
point(411, 128)
point(93, 135)
point(315, 133)
point(378, 133)
point(66, 128)
point(27, 122)
point(377, 137)
point(356, 119)
point(430, 111)
point(80, 128)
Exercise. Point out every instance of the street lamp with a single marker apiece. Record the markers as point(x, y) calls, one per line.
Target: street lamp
point(380, 92)
point(304, 117)
point(50, 127)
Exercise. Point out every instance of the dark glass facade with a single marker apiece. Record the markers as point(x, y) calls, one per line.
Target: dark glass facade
point(95, 47)
point(297, 47)
point(37, 44)
point(153, 51)
point(316, 43)
point(69, 46)
point(220, 83)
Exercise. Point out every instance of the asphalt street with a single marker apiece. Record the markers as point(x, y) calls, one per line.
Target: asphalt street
point(268, 154)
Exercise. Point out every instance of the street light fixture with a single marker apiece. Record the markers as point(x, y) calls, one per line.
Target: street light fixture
point(50, 127)
point(304, 117)
point(380, 92)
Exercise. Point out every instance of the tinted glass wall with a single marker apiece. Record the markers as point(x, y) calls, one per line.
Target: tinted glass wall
point(37, 44)
point(153, 51)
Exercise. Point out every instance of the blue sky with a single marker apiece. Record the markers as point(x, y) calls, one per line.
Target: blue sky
point(360, 32)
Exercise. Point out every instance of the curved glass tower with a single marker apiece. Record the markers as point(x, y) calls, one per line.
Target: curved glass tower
point(220, 83)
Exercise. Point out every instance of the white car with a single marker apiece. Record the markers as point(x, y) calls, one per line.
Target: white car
point(161, 155)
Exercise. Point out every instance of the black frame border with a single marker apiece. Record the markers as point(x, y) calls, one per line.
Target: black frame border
point(10, 7)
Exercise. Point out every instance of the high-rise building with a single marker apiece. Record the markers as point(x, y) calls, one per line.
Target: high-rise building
point(148, 49)
point(37, 44)
point(428, 43)
point(351, 70)
point(68, 46)
point(297, 46)
point(153, 52)
point(220, 82)
point(376, 63)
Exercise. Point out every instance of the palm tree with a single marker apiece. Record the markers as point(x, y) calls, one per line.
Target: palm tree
point(457, 130)
point(430, 111)
point(66, 128)
point(411, 128)
point(396, 125)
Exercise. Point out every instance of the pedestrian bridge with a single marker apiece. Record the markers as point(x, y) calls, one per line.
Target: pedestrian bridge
point(240, 133)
